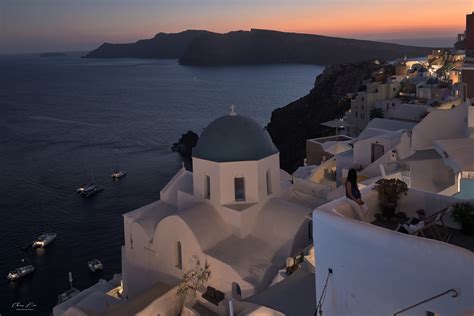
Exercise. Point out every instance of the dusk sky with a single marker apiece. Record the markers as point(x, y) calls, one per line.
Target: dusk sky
point(50, 25)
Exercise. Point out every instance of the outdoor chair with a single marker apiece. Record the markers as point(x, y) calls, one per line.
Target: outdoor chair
point(429, 227)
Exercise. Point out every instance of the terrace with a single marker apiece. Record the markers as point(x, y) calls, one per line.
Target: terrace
point(368, 258)
point(433, 209)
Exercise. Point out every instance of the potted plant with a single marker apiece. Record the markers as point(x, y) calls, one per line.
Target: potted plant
point(390, 191)
point(463, 214)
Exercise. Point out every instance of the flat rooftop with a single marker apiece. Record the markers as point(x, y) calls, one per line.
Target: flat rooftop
point(335, 138)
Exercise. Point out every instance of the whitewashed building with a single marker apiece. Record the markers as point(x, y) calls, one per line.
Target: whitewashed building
point(364, 101)
point(365, 268)
point(236, 211)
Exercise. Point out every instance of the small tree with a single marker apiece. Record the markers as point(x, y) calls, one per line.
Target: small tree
point(195, 278)
point(376, 113)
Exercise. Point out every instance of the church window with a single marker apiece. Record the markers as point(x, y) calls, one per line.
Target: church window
point(239, 188)
point(179, 256)
point(207, 188)
point(269, 183)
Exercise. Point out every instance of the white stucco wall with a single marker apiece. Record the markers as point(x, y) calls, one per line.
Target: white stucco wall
point(168, 304)
point(378, 272)
point(447, 124)
point(147, 263)
point(363, 148)
point(431, 175)
point(394, 109)
point(201, 169)
point(223, 175)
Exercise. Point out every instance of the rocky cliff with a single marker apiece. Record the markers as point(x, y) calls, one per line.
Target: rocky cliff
point(163, 45)
point(291, 125)
point(272, 47)
point(255, 47)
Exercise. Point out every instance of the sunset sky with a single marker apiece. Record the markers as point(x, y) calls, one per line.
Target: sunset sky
point(49, 25)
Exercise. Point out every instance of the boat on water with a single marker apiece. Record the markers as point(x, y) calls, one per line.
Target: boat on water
point(44, 240)
point(84, 188)
point(20, 272)
point(95, 265)
point(89, 190)
point(116, 175)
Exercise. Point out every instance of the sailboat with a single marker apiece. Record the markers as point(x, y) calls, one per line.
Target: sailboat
point(46, 238)
point(95, 265)
point(72, 291)
point(117, 174)
point(22, 271)
point(90, 189)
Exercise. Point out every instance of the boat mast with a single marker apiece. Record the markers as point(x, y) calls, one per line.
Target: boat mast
point(25, 255)
point(70, 279)
point(116, 160)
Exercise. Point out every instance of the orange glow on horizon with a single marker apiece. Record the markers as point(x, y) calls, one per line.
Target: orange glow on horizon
point(363, 21)
point(74, 24)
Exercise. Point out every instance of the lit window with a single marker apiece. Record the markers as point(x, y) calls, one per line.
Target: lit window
point(239, 187)
point(207, 188)
point(269, 183)
point(179, 256)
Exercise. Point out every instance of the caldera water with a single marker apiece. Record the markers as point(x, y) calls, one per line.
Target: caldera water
point(66, 121)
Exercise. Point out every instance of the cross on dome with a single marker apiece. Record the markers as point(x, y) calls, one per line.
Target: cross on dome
point(232, 110)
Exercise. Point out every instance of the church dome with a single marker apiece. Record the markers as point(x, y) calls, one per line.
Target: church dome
point(234, 138)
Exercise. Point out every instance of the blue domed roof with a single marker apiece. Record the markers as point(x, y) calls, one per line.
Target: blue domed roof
point(234, 138)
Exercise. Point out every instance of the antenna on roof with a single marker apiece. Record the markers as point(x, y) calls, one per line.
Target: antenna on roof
point(232, 110)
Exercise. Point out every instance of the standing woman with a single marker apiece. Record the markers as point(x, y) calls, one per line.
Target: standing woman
point(353, 193)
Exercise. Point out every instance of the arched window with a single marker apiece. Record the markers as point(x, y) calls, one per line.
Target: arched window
point(179, 256)
point(269, 182)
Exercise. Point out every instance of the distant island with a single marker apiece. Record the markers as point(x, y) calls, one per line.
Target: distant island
point(204, 48)
point(161, 46)
point(53, 54)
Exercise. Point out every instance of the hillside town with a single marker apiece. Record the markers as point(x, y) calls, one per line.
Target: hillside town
point(379, 220)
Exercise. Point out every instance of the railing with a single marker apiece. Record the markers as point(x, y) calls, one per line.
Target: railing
point(455, 294)
point(308, 187)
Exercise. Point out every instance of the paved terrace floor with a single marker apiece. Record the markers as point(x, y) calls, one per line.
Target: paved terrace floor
point(456, 237)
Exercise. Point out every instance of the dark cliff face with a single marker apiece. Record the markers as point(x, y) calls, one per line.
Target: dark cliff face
point(255, 47)
point(272, 47)
point(292, 125)
point(161, 46)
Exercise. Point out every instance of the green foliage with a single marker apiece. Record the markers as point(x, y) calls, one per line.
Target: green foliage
point(390, 191)
point(463, 213)
point(195, 278)
point(376, 113)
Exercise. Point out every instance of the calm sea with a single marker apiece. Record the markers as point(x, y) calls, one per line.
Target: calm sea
point(65, 121)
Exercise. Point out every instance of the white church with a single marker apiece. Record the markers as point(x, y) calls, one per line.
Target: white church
point(237, 212)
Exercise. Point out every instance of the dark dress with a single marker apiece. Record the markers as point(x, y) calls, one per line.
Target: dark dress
point(355, 192)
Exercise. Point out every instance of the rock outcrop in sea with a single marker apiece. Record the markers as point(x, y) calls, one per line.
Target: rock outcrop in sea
point(291, 125)
point(186, 144)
